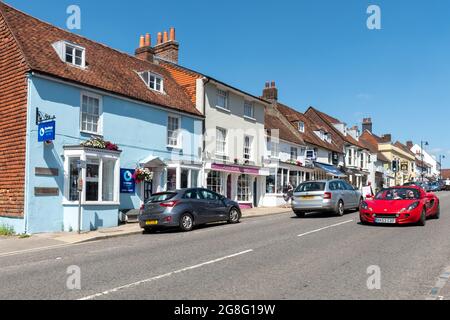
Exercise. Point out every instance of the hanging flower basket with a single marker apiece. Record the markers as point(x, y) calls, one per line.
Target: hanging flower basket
point(99, 143)
point(142, 175)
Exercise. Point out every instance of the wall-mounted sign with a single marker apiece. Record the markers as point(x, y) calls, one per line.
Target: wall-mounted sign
point(46, 131)
point(127, 184)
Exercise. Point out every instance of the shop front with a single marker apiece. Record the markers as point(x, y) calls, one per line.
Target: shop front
point(243, 184)
point(282, 174)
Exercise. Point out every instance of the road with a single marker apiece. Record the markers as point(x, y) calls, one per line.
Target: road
point(274, 257)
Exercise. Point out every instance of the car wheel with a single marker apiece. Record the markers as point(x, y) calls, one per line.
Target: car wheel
point(186, 222)
point(423, 219)
point(234, 216)
point(340, 210)
point(300, 214)
point(364, 223)
point(438, 213)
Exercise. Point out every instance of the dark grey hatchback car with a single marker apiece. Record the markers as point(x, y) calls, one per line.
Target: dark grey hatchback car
point(187, 208)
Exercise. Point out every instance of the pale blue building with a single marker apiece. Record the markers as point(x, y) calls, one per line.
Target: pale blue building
point(91, 91)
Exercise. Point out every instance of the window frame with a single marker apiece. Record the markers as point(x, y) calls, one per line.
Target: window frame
point(100, 113)
point(248, 154)
point(148, 82)
point(179, 135)
point(226, 95)
point(75, 47)
point(85, 155)
point(251, 105)
point(301, 126)
point(292, 153)
point(225, 141)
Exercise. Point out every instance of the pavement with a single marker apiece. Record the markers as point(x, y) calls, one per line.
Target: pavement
point(274, 257)
point(13, 245)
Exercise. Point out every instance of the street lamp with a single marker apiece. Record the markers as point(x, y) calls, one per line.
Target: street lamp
point(422, 143)
point(441, 157)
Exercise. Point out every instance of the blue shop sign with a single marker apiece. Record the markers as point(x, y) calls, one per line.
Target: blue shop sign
point(46, 131)
point(127, 184)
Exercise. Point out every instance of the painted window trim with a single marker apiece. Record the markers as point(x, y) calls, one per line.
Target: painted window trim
point(250, 147)
point(179, 145)
point(224, 153)
point(156, 75)
point(100, 113)
point(83, 155)
point(227, 100)
point(65, 44)
point(250, 104)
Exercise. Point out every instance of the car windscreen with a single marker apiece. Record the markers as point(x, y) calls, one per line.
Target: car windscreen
point(311, 187)
point(398, 194)
point(161, 197)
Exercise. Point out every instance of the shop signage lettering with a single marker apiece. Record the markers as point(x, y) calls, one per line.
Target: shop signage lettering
point(127, 184)
point(46, 131)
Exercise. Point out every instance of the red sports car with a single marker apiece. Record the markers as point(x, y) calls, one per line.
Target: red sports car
point(400, 205)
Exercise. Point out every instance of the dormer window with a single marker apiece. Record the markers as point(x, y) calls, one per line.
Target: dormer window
point(152, 80)
point(71, 53)
point(301, 127)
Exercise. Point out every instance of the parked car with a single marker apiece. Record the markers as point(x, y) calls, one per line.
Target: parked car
point(333, 195)
point(435, 187)
point(187, 208)
point(400, 205)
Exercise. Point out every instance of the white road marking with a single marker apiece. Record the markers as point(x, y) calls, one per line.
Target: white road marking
point(325, 228)
point(104, 293)
point(57, 246)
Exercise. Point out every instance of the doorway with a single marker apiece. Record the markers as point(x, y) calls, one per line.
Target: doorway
point(229, 186)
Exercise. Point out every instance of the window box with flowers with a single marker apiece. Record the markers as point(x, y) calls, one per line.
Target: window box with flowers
point(295, 163)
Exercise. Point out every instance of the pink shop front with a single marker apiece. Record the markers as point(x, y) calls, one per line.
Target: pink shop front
point(244, 184)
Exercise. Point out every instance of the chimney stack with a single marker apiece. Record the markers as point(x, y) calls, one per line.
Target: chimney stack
point(386, 138)
point(367, 125)
point(145, 51)
point(409, 144)
point(167, 48)
point(270, 92)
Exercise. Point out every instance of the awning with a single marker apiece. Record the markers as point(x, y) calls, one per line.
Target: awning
point(356, 172)
point(152, 162)
point(331, 170)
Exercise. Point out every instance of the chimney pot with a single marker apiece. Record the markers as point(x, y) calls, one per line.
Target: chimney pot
point(270, 92)
point(141, 42)
point(166, 37)
point(267, 84)
point(273, 84)
point(159, 38)
point(148, 40)
point(172, 34)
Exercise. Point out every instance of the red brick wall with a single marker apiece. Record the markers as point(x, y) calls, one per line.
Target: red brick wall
point(13, 102)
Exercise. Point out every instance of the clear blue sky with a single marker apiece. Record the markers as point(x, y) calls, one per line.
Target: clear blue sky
point(319, 52)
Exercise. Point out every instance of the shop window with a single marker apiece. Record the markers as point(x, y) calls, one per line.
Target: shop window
point(100, 177)
point(214, 182)
point(171, 179)
point(270, 184)
point(293, 178)
point(243, 190)
point(184, 178)
point(92, 180)
point(280, 181)
point(73, 179)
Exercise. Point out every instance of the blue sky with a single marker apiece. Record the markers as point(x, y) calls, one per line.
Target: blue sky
point(319, 52)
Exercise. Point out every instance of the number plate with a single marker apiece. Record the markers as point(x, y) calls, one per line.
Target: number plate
point(151, 222)
point(386, 220)
point(307, 198)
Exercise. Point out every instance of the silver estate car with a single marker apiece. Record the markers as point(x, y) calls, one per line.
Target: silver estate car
point(334, 195)
point(187, 208)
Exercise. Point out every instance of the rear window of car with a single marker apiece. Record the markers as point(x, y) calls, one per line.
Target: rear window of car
point(311, 186)
point(161, 197)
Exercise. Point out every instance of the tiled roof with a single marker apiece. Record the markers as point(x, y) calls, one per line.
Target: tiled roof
point(371, 141)
point(107, 69)
point(403, 147)
point(294, 116)
point(446, 173)
point(273, 122)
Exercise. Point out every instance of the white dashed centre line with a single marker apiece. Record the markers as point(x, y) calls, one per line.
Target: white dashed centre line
point(325, 228)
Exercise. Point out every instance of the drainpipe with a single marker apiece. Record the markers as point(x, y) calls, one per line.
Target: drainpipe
point(205, 82)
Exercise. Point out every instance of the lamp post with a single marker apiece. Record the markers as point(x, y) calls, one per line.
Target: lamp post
point(422, 144)
point(441, 157)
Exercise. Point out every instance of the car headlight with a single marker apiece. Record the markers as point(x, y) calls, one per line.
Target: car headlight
point(411, 207)
point(364, 205)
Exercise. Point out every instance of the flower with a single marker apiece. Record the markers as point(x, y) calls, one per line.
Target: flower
point(142, 175)
point(99, 143)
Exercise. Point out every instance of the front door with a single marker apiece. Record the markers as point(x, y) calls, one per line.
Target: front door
point(148, 190)
point(255, 193)
point(229, 186)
